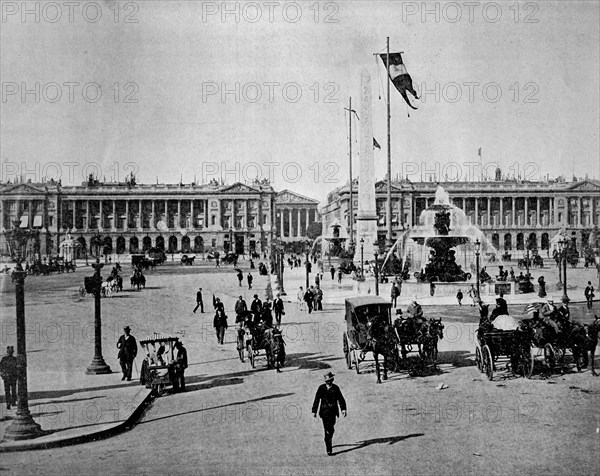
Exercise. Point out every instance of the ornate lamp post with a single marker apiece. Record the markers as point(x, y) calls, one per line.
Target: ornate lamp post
point(362, 269)
point(562, 244)
point(281, 268)
point(231, 248)
point(98, 366)
point(477, 250)
point(375, 253)
point(23, 426)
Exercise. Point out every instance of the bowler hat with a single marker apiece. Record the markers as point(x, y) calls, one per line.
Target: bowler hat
point(126, 328)
point(328, 376)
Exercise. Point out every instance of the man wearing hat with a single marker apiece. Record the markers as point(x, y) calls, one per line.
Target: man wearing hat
point(127, 351)
point(278, 308)
point(199, 302)
point(8, 372)
point(329, 396)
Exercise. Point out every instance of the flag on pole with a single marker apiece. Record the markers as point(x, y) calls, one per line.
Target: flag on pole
point(376, 144)
point(399, 76)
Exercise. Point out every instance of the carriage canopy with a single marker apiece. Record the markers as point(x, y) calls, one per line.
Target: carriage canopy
point(363, 309)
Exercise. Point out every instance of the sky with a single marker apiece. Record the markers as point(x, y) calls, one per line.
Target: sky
point(236, 90)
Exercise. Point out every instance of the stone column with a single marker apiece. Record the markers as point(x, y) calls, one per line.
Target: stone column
point(101, 224)
point(192, 218)
point(476, 212)
point(501, 224)
point(126, 225)
point(526, 211)
point(153, 217)
point(178, 224)
point(167, 213)
point(87, 215)
point(464, 205)
point(592, 211)
point(74, 227)
point(537, 218)
point(114, 216)
point(514, 214)
point(290, 234)
point(2, 215)
point(299, 230)
point(489, 211)
point(578, 211)
point(306, 214)
point(140, 220)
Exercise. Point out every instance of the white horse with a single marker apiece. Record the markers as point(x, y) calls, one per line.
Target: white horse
point(107, 289)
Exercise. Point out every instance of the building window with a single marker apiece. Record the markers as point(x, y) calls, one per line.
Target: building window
point(214, 242)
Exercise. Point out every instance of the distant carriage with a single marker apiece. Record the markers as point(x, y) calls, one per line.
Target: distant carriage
point(187, 260)
point(158, 367)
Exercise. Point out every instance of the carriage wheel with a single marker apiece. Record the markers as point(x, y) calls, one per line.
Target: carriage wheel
point(82, 291)
point(347, 352)
point(488, 362)
point(479, 359)
point(549, 356)
point(251, 355)
point(356, 361)
point(526, 362)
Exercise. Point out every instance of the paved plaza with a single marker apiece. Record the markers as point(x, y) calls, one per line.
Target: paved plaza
point(237, 419)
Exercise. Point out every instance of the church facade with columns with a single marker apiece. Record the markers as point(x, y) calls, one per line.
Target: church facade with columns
point(509, 212)
point(131, 218)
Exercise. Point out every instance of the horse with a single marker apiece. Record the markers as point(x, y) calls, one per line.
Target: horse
point(381, 341)
point(430, 333)
point(276, 348)
point(138, 280)
point(220, 324)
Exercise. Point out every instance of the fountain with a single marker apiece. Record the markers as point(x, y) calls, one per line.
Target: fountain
point(440, 249)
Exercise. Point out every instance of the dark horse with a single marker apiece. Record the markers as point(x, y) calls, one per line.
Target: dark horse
point(138, 280)
point(381, 340)
point(276, 348)
point(430, 333)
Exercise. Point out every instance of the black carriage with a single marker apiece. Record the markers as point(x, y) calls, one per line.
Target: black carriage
point(494, 345)
point(361, 312)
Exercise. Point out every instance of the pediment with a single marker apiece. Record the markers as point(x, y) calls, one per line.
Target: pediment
point(585, 186)
point(238, 187)
point(287, 196)
point(23, 188)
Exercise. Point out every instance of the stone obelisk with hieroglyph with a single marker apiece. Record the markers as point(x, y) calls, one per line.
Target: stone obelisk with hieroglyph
point(366, 219)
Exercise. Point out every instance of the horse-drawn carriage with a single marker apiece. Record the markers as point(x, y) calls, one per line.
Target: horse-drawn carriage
point(253, 337)
point(187, 260)
point(159, 367)
point(494, 344)
point(368, 322)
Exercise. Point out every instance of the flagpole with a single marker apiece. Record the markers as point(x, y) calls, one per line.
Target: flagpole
point(351, 208)
point(389, 154)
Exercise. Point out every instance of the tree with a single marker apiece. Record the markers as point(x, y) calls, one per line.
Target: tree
point(314, 230)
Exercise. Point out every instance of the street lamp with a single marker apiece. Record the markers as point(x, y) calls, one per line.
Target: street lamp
point(562, 244)
point(477, 250)
point(375, 253)
point(23, 425)
point(362, 245)
point(307, 265)
point(98, 366)
point(282, 267)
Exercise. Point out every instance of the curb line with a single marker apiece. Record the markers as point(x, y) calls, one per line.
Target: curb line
point(27, 445)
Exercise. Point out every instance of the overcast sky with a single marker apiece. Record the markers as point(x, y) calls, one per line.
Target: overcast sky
point(172, 61)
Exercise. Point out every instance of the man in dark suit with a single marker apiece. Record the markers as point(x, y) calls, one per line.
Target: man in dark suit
point(199, 302)
point(179, 366)
point(240, 308)
point(256, 307)
point(329, 396)
point(127, 351)
point(278, 308)
point(8, 372)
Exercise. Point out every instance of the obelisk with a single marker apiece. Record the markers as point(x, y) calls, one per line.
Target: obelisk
point(366, 217)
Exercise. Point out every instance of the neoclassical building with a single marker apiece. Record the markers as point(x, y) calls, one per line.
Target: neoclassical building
point(129, 217)
point(508, 211)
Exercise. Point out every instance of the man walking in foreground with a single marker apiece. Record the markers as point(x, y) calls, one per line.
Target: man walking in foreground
point(8, 372)
point(329, 396)
point(127, 351)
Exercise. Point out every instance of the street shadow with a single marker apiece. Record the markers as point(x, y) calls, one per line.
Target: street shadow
point(214, 383)
point(309, 361)
point(72, 400)
point(43, 394)
point(389, 440)
point(456, 358)
point(216, 407)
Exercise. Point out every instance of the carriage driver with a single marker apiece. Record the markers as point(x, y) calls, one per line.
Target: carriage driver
point(415, 311)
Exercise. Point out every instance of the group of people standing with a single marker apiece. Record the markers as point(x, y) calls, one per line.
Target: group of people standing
point(312, 296)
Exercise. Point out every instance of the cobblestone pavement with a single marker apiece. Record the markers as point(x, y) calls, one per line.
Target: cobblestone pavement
point(237, 419)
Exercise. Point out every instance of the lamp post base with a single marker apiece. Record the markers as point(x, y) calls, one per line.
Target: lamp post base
point(98, 367)
point(23, 427)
